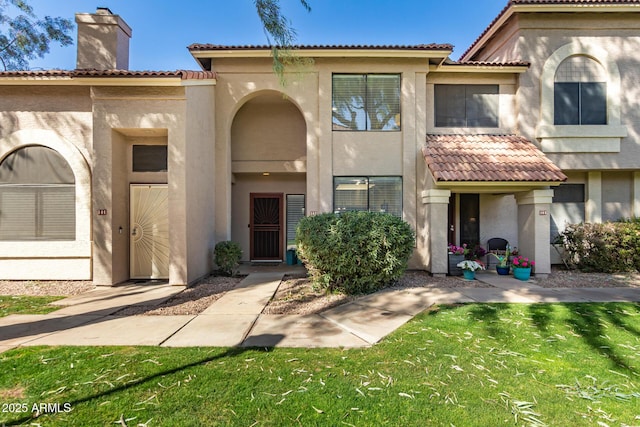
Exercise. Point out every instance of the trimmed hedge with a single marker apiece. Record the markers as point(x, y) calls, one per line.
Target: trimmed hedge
point(607, 247)
point(354, 252)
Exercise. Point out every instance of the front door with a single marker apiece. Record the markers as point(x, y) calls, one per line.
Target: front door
point(149, 229)
point(470, 219)
point(266, 226)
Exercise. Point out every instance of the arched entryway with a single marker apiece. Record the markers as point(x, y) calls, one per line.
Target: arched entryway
point(268, 158)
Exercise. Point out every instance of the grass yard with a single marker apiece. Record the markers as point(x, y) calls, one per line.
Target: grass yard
point(468, 365)
point(27, 304)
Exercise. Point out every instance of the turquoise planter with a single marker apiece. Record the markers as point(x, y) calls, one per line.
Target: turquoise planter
point(523, 274)
point(469, 275)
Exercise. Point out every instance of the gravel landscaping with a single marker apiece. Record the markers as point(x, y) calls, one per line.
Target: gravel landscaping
point(296, 295)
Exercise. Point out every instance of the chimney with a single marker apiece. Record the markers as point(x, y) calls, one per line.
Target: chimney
point(103, 41)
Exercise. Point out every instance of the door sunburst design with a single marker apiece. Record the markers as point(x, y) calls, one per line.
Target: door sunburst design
point(149, 231)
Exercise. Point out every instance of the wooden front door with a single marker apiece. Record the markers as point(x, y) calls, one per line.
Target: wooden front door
point(266, 226)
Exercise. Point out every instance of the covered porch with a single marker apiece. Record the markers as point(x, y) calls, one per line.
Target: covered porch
point(483, 186)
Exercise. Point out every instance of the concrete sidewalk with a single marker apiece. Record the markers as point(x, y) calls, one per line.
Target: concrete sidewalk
point(236, 319)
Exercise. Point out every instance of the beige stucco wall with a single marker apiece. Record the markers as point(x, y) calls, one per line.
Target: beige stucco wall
point(58, 118)
point(609, 38)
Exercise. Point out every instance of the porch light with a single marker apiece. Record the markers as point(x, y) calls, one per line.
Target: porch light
point(265, 174)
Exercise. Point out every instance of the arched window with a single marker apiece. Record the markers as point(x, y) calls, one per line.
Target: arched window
point(580, 92)
point(37, 196)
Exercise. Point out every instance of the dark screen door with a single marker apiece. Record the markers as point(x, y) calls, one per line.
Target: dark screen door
point(266, 226)
point(470, 219)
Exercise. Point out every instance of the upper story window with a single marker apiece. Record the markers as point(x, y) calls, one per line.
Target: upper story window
point(366, 102)
point(149, 158)
point(466, 105)
point(580, 92)
point(37, 196)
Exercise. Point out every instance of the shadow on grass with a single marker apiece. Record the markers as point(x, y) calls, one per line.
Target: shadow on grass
point(230, 352)
point(593, 322)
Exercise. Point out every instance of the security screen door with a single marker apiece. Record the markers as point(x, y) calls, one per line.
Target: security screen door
point(266, 226)
point(149, 231)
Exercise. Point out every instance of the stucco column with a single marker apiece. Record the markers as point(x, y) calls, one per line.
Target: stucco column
point(593, 205)
point(534, 228)
point(436, 218)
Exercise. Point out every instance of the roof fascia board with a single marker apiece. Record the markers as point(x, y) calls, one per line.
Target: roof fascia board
point(494, 186)
point(524, 8)
point(325, 53)
point(506, 69)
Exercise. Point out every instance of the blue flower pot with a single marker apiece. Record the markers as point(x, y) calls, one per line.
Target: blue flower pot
point(502, 271)
point(523, 274)
point(469, 275)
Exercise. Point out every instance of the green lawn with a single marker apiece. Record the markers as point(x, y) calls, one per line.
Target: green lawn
point(26, 305)
point(469, 365)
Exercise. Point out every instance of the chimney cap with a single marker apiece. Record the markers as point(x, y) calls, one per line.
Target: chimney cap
point(103, 10)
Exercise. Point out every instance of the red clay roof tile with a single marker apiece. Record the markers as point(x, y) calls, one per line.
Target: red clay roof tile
point(430, 46)
point(488, 158)
point(182, 74)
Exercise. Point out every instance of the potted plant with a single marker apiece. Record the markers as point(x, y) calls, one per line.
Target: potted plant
point(469, 268)
point(503, 261)
point(522, 267)
point(456, 254)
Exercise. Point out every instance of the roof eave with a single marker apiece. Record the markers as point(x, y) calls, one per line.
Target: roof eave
point(105, 81)
point(479, 68)
point(325, 53)
point(494, 186)
point(508, 12)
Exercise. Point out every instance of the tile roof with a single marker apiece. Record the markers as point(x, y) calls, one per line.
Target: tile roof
point(548, 3)
point(487, 158)
point(182, 74)
point(431, 46)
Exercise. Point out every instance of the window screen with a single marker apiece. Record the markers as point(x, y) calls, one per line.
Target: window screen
point(149, 158)
point(366, 102)
point(37, 196)
point(466, 105)
point(375, 194)
point(295, 212)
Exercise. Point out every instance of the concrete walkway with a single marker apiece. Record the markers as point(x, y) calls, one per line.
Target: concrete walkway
point(236, 319)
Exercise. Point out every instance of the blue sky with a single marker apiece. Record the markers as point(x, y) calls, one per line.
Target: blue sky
point(162, 29)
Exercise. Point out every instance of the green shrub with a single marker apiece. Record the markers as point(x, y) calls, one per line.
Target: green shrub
point(354, 252)
point(607, 247)
point(227, 257)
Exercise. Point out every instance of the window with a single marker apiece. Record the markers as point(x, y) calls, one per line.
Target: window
point(361, 193)
point(466, 105)
point(295, 212)
point(366, 102)
point(37, 196)
point(580, 92)
point(567, 207)
point(149, 158)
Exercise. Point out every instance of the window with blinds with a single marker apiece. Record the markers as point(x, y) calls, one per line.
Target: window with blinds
point(368, 193)
point(466, 105)
point(37, 196)
point(295, 212)
point(366, 102)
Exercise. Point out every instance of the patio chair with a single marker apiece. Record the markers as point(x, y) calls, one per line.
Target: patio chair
point(498, 246)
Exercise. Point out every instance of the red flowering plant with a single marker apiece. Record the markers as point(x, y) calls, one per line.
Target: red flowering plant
point(456, 250)
point(522, 262)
